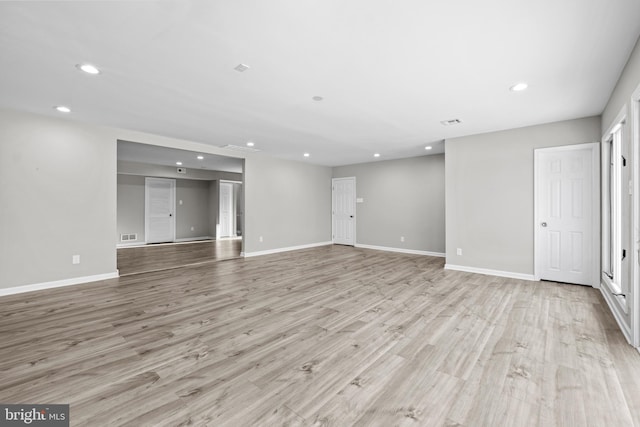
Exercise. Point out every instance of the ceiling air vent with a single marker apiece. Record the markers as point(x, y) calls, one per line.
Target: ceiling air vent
point(241, 67)
point(451, 122)
point(238, 148)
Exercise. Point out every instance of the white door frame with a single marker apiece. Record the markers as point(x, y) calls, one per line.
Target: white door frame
point(333, 208)
point(172, 203)
point(595, 208)
point(635, 214)
point(232, 206)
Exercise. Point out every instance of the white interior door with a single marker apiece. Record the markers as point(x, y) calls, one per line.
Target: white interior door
point(344, 210)
point(160, 203)
point(567, 214)
point(226, 210)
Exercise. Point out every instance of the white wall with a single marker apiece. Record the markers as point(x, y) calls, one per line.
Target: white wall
point(489, 193)
point(160, 171)
point(402, 197)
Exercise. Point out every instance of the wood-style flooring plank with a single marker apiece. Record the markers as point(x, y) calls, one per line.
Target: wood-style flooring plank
point(330, 336)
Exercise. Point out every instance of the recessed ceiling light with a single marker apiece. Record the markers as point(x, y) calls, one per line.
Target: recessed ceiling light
point(88, 68)
point(376, 155)
point(62, 109)
point(200, 157)
point(179, 163)
point(428, 147)
point(306, 154)
point(241, 67)
point(250, 144)
point(519, 87)
point(317, 98)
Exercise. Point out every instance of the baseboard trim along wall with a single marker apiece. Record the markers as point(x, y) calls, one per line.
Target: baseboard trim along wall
point(287, 249)
point(184, 240)
point(626, 330)
point(130, 245)
point(401, 250)
point(509, 274)
point(194, 239)
point(57, 284)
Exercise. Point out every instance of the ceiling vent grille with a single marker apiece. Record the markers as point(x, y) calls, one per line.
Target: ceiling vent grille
point(241, 67)
point(238, 148)
point(451, 122)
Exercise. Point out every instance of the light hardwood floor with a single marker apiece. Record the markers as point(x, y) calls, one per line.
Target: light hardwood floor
point(143, 259)
point(332, 336)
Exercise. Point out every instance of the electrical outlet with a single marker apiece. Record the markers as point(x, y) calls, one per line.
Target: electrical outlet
point(402, 238)
point(75, 259)
point(459, 251)
point(260, 239)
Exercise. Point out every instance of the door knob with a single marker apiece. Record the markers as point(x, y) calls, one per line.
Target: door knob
point(544, 224)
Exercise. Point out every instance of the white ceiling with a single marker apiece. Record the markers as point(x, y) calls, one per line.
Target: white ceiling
point(389, 71)
point(144, 153)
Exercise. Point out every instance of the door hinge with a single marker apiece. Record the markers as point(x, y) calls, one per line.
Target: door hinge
point(624, 254)
point(624, 161)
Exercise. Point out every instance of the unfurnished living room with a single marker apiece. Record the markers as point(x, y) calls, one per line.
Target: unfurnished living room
point(320, 213)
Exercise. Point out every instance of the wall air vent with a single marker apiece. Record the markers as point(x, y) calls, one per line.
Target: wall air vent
point(451, 122)
point(238, 148)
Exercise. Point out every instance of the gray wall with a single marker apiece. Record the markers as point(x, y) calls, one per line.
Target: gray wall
point(130, 207)
point(628, 82)
point(194, 211)
point(621, 96)
point(489, 192)
point(286, 202)
point(58, 199)
point(199, 186)
point(401, 198)
point(64, 202)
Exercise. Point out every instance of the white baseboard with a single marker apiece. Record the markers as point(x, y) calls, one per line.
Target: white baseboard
point(193, 239)
point(287, 249)
point(401, 250)
point(130, 244)
point(626, 330)
point(509, 274)
point(184, 240)
point(57, 284)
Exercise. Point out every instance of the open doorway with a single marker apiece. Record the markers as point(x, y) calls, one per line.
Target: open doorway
point(230, 210)
point(191, 210)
